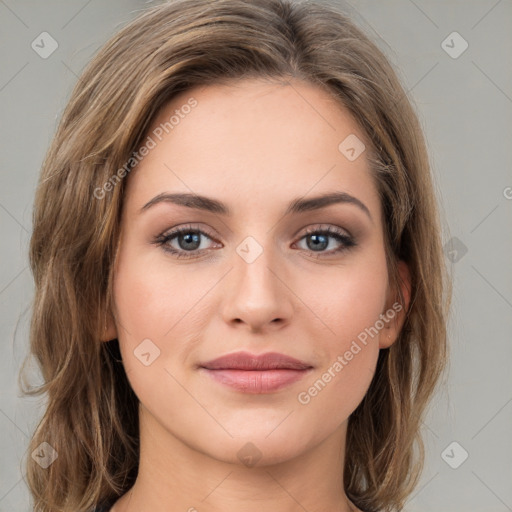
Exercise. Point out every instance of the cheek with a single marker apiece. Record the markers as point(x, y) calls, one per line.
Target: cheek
point(349, 353)
point(151, 297)
point(151, 307)
point(160, 311)
point(350, 305)
point(346, 301)
point(336, 390)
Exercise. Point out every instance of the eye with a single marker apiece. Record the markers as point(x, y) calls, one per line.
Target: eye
point(185, 242)
point(188, 240)
point(318, 240)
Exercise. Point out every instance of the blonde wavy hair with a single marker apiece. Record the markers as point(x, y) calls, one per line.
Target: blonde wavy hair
point(91, 414)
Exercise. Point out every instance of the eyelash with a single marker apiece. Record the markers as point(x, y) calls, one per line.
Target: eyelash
point(163, 239)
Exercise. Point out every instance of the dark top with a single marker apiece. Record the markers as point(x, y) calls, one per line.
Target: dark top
point(103, 508)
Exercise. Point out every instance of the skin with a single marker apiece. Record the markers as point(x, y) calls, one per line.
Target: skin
point(254, 145)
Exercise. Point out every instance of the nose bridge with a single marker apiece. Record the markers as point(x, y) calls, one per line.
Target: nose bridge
point(256, 292)
point(254, 262)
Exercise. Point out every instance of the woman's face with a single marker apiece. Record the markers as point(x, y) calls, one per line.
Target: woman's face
point(259, 274)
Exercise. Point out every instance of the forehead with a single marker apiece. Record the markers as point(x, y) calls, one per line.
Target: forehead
point(252, 143)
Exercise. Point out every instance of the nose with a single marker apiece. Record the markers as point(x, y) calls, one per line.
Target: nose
point(256, 293)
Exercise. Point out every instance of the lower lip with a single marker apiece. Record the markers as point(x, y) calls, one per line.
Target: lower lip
point(258, 382)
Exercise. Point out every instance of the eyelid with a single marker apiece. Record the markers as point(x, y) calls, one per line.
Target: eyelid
point(313, 228)
point(186, 227)
point(171, 233)
point(341, 235)
point(319, 226)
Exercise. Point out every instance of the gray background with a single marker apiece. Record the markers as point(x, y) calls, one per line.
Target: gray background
point(465, 106)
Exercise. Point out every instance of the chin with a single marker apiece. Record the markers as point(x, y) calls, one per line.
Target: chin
point(255, 446)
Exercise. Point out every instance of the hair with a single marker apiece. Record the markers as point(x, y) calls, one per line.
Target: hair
point(91, 416)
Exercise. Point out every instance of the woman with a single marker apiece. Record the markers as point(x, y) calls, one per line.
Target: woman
point(241, 299)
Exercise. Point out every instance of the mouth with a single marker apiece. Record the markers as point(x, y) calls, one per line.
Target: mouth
point(257, 374)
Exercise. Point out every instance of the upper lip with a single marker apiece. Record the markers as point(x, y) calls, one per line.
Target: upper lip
point(248, 361)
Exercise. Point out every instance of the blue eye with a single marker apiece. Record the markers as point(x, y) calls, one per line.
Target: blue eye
point(188, 240)
point(319, 239)
point(187, 237)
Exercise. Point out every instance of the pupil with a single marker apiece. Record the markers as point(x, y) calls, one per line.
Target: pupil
point(323, 243)
point(191, 238)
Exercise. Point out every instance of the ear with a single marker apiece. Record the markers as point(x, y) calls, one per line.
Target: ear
point(109, 329)
point(395, 310)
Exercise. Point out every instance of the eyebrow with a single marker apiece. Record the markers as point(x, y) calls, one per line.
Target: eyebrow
point(298, 205)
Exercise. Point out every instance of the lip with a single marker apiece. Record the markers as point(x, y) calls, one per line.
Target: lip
point(248, 361)
point(250, 373)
